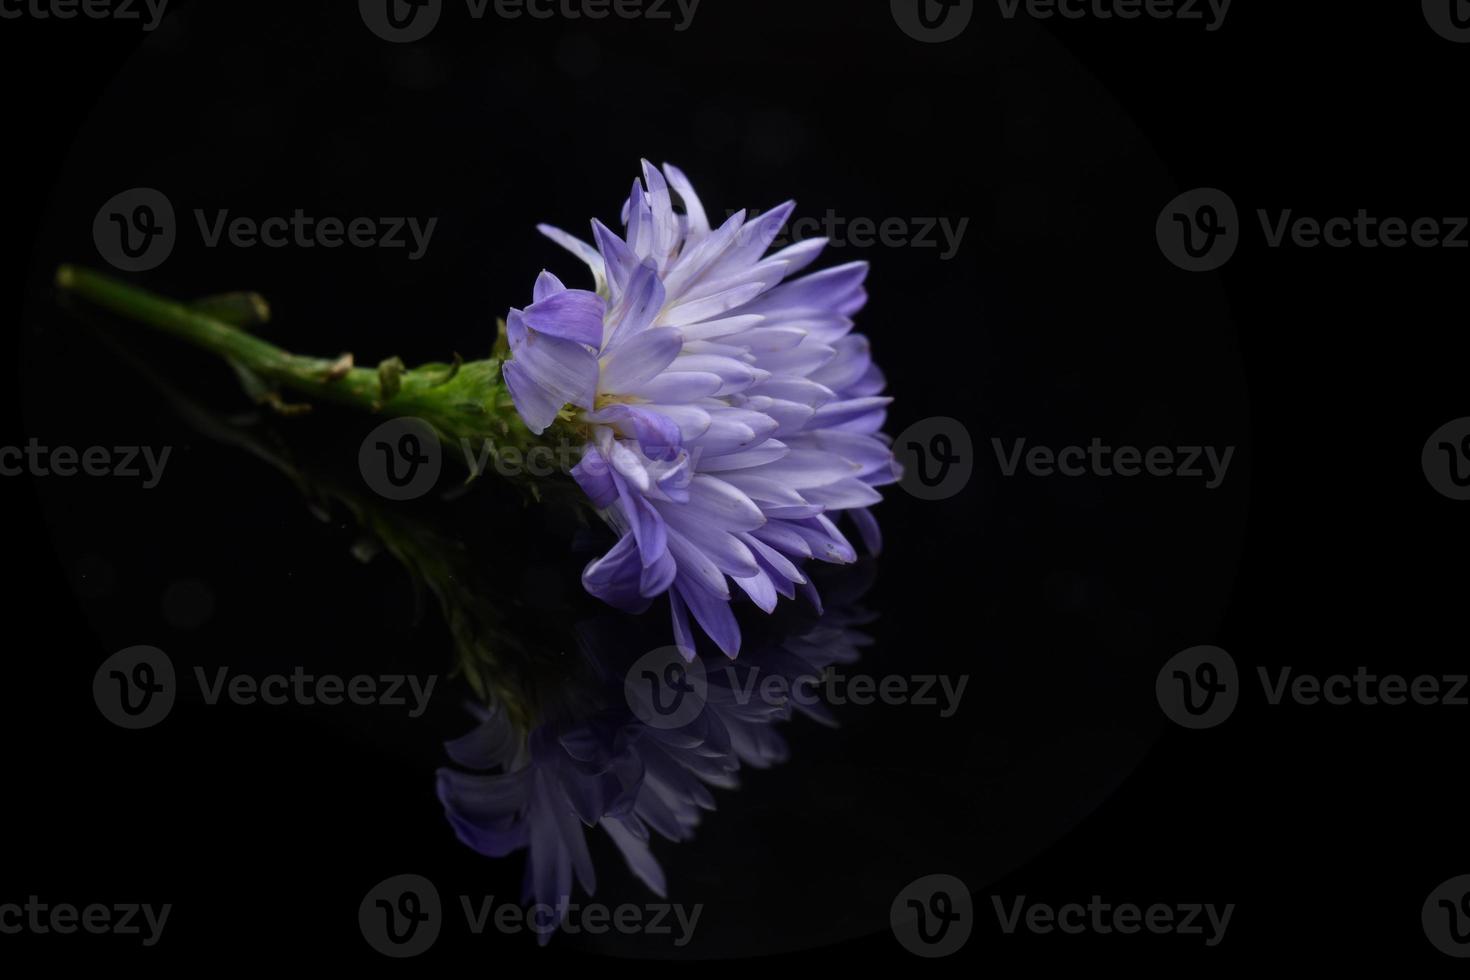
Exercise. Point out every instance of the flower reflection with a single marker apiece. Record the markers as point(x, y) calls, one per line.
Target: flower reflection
point(602, 765)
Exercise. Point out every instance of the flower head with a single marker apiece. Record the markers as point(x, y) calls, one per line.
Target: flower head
point(729, 411)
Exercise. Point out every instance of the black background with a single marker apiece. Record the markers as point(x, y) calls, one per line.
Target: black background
point(1058, 321)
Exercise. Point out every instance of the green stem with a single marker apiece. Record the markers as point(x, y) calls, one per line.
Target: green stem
point(317, 377)
point(467, 403)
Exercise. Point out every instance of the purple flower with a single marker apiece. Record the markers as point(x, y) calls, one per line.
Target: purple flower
point(729, 412)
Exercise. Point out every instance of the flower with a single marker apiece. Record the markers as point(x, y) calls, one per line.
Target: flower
point(728, 410)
